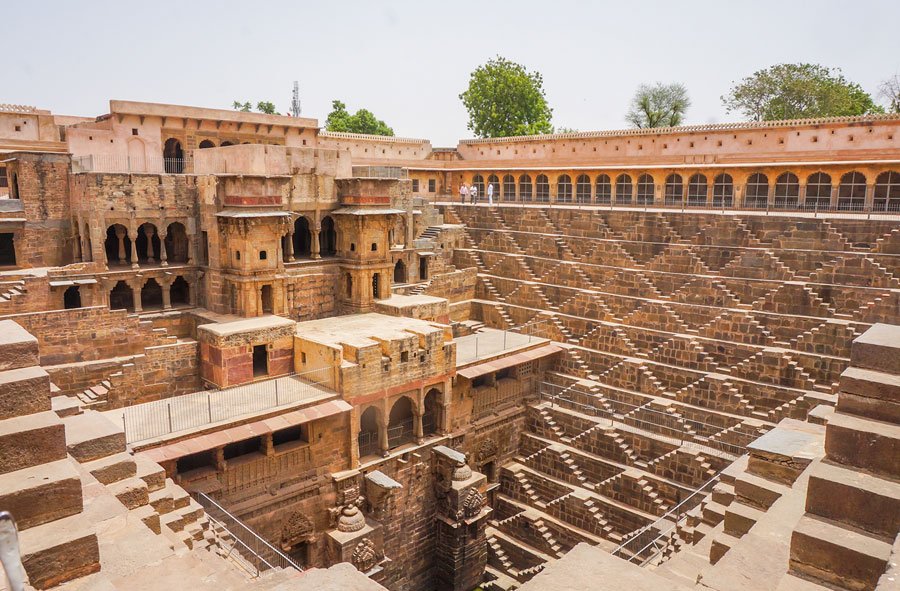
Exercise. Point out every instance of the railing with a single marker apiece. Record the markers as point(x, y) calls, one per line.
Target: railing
point(262, 470)
point(676, 430)
point(256, 551)
point(112, 163)
point(368, 443)
point(496, 341)
point(161, 417)
point(842, 208)
point(400, 433)
point(645, 544)
point(380, 172)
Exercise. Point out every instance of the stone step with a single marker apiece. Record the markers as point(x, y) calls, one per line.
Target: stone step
point(24, 391)
point(65, 406)
point(173, 521)
point(42, 493)
point(150, 472)
point(758, 492)
point(721, 544)
point(131, 492)
point(91, 436)
point(877, 349)
point(31, 440)
point(20, 348)
point(863, 443)
point(871, 394)
point(112, 468)
point(739, 519)
point(827, 552)
point(149, 517)
point(59, 551)
point(161, 501)
point(856, 498)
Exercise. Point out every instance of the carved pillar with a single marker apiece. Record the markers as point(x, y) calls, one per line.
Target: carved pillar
point(289, 247)
point(136, 296)
point(166, 294)
point(315, 242)
point(120, 236)
point(148, 232)
point(418, 429)
point(163, 251)
point(134, 258)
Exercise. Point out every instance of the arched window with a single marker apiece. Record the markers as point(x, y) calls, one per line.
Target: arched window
point(509, 187)
point(227, 143)
point(400, 272)
point(787, 191)
point(623, 189)
point(818, 191)
point(121, 297)
point(645, 187)
point(478, 182)
point(603, 189)
point(180, 291)
point(177, 243)
point(494, 182)
point(147, 243)
point(302, 238)
point(173, 156)
point(151, 295)
point(757, 193)
point(206, 144)
point(887, 191)
point(852, 191)
point(117, 245)
point(723, 191)
point(543, 188)
point(431, 418)
point(564, 188)
point(674, 190)
point(698, 189)
point(369, 443)
point(583, 189)
point(525, 187)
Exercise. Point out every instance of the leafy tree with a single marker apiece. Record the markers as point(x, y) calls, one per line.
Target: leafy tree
point(658, 105)
point(796, 91)
point(564, 129)
point(889, 90)
point(266, 107)
point(363, 121)
point(262, 106)
point(503, 99)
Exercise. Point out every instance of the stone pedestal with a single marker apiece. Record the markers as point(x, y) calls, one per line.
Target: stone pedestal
point(461, 547)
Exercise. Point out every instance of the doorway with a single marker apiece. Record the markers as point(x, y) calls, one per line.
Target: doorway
point(260, 361)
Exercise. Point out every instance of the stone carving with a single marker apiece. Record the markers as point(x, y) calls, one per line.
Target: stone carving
point(487, 449)
point(298, 528)
point(351, 519)
point(364, 555)
point(473, 503)
point(461, 472)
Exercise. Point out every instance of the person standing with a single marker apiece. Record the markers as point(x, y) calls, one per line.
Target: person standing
point(463, 193)
point(490, 193)
point(473, 193)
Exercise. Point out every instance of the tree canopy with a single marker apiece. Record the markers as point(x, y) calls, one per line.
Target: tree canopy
point(266, 107)
point(658, 105)
point(796, 91)
point(503, 99)
point(363, 121)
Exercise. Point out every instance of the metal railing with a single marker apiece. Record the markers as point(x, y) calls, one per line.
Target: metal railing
point(254, 550)
point(369, 445)
point(400, 433)
point(161, 417)
point(380, 172)
point(842, 208)
point(645, 544)
point(114, 163)
point(677, 430)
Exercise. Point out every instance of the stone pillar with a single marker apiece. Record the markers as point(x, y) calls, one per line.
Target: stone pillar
point(315, 242)
point(120, 236)
point(192, 293)
point(460, 516)
point(136, 296)
point(134, 257)
point(870, 197)
point(166, 295)
point(801, 197)
point(148, 232)
point(410, 234)
point(418, 428)
point(289, 247)
point(163, 251)
point(268, 445)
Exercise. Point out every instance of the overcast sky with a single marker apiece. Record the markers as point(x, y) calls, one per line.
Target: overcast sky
point(407, 61)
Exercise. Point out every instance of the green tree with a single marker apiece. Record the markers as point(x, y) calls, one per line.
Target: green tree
point(363, 121)
point(239, 106)
point(266, 107)
point(658, 105)
point(503, 99)
point(796, 91)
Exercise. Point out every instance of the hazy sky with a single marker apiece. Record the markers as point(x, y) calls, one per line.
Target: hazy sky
point(407, 61)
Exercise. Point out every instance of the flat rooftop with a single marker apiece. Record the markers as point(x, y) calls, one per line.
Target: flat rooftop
point(225, 329)
point(363, 329)
point(490, 342)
